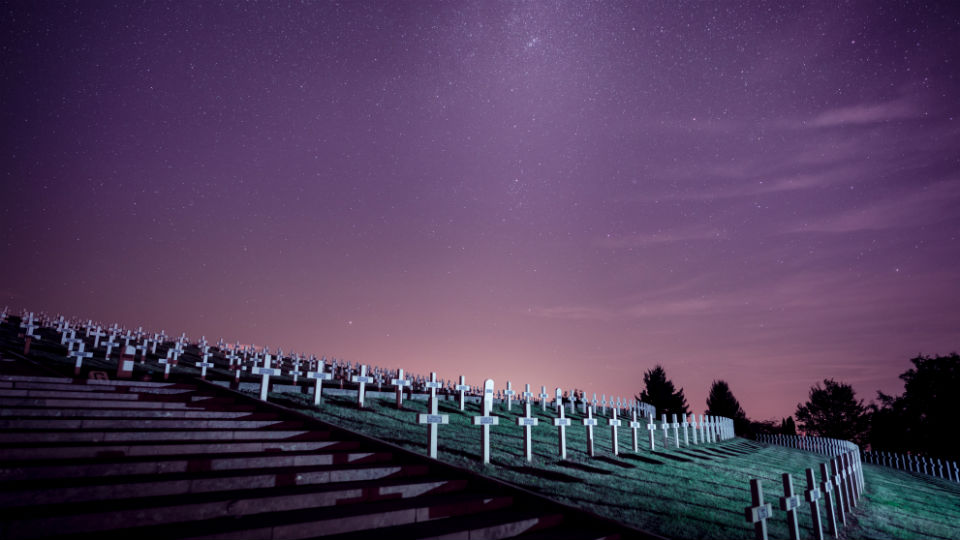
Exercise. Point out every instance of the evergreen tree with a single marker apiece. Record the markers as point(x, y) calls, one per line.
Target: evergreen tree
point(833, 411)
point(720, 402)
point(788, 426)
point(660, 392)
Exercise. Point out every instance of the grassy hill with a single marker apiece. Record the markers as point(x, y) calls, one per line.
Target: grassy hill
point(695, 492)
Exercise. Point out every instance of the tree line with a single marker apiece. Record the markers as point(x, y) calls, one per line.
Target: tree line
point(918, 421)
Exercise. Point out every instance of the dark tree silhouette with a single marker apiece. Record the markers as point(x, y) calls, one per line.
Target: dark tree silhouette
point(788, 426)
point(916, 420)
point(660, 392)
point(833, 411)
point(720, 402)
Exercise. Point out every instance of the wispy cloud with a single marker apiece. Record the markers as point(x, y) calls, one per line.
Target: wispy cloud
point(661, 237)
point(867, 113)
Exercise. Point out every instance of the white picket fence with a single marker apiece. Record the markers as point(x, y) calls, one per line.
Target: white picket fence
point(948, 470)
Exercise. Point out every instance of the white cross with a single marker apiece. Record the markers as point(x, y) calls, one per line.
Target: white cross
point(167, 362)
point(433, 385)
point(295, 372)
point(614, 424)
point(634, 426)
point(462, 388)
point(589, 422)
point(79, 355)
point(652, 429)
point(527, 394)
point(561, 423)
point(666, 430)
point(204, 364)
point(527, 422)
point(826, 486)
point(509, 393)
point(558, 399)
point(485, 421)
point(400, 382)
point(693, 426)
point(363, 380)
point(319, 376)
point(812, 495)
point(99, 333)
point(543, 398)
point(67, 334)
point(265, 372)
point(685, 424)
point(759, 512)
point(676, 431)
point(789, 504)
point(432, 420)
point(703, 431)
point(603, 403)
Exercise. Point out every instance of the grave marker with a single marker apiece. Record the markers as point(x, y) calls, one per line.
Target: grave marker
point(400, 382)
point(509, 393)
point(789, 503)
point(634, 426)
point(204, 363)
point(167, 362)
point(812, 495)
point(265, 373)
point(652, 429)
point(363, 380)
point(433, 385)
point(558, 400)
point(79, 355)
point(543, 398)
point(759, 512)
point(665, 426)
point(693, 427)
point(562, 424)
point(527, 394)
point(676, 431)
point(589, 422)
point(841, 510)
point(614, 423)
point(685, 424)
point(99, 333)
point(125, 362)
point(433, 420)
point(463, 388)
point(827, 487)
point(485, 420)
point(527, 422)
point(319, 376)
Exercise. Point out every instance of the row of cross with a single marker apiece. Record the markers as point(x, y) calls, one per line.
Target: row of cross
point(913, 463)
point(841, 487)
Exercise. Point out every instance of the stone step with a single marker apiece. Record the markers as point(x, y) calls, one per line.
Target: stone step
point(145, 423)
point(92, 394)
point(42, 412)
point(206, 482)
point(172, 388)
point(92, 382)
point(502, 523)
point(80, 451)
point(95, 404)
point(43, 437)
point(97, 468)
point(99, 516)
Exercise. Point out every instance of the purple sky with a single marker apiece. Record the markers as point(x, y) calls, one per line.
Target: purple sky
point(560, 194)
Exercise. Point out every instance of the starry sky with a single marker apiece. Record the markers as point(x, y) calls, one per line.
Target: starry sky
point(564, 194)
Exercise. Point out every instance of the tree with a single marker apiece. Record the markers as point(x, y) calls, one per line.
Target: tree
point(833, 411)
point(788, 426)
point(917, 420)
point(720, 402)
point(660, 393)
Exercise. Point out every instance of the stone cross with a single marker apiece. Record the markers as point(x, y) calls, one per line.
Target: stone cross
point(759, 512)
point(676, 431)
point(562, 424)
point(666, 430)
point(527, 394)
point(79, 355)
point(433, 420)
point(400, 382)
point(167, 362)
point(543, 398)
point(363, 380)
point(812, 495)
point(634, 426)
point(204, 364)
point(703, 431)
point(558, 399)
point(509, 393)
point(827, 487)
point(589, 422)
point(527, 422)
point(614, 424)
point(265, 372)
point(685, 424)
point(789, 504)
point(463, 387)
point(485, 420)
point(693, 427)
point(433, 385)
point(99, 333)
point(841, 507)
point(319, 376)
point(603, 403)
point(295, 372)
point(652, 429)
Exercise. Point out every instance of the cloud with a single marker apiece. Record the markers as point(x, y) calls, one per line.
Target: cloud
point(867, 113)
point(638, 240)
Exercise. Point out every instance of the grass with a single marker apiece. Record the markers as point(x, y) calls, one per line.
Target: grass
point(691, 492)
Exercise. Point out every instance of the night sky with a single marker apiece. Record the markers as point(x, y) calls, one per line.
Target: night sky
point(561, 194)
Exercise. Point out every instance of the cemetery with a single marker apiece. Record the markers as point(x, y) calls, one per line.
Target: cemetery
point(110, 432)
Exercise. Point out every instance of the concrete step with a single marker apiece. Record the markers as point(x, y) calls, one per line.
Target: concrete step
point(46, 437)
point(501, 523)
point(99, 516)
point(98, 468)
point(87, 393)
point(92, 382)
point(119, 488)
point(43, 412)
point(73, 387)
point(143, 423)
point(84, 451)
point(55, 403)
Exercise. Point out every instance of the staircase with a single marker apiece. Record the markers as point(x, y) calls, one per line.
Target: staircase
point(127, 459)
